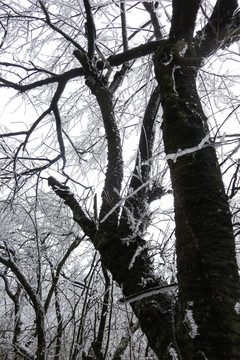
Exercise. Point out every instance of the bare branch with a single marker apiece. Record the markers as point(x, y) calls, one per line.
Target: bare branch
point(34, 125)
point(79, 216)
point(59, 267)
point(35, 300)
point(135, 53)
point(18, 133)
point(118, 78)
point(139, 185)
point(5, 32)
point(91, 31)
point(68, 75)
point(61, 32)
point(151, 7)
point(114, 174)
point(54, 108)
point(38, 169)
point(124, 25)
point(97, 344)
point(221, 30)
point(183, 19)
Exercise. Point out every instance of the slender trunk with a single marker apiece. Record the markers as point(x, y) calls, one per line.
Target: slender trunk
point(208, 323)
point(17, 321)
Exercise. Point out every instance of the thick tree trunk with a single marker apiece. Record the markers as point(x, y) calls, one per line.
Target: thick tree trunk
point(208, 323)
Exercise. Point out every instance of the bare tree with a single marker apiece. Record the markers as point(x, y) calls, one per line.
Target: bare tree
point(93, 83)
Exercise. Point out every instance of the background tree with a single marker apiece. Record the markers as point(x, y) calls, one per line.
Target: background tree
point(92, 86)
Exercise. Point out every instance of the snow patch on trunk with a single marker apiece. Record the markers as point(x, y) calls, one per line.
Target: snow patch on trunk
point(237, 308)
point(190, 322)
point(137, 253)
point(172, 352)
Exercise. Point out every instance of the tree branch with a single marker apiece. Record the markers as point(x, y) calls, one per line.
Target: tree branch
point(150, 7)
point(184, 15)
point(221, 30)
point(114, 173)
point(35, 301)
point(61, 32)
point(54, 107)
point(135, 53)
point(146, 141)
point(114, 60)
point(79, 216)
point(91, 31)
point(68, 75)
point(124, 25)
point(60, 265)
point(136, 203)
point(98, 342)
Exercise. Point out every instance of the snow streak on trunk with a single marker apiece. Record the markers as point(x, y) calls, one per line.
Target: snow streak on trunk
point(207, 269)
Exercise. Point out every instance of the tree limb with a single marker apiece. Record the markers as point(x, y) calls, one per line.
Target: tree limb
point(184, 15)
point(91, 31)
point(150, 7)
point(124, 25)
point(60, 265)
point(54, 107)
point(68, 75)
point(136, 203)
point(221, 30)
point(61, 32)
point(79, 216)
point(142, 50)
point(35, 301)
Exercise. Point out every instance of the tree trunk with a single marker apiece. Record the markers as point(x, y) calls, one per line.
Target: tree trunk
point(207, 323)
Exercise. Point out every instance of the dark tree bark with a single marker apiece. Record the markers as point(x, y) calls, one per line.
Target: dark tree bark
point(202, 323)
point(207, 325)
point(207, 271)
point(37, 305)
point(16, 298)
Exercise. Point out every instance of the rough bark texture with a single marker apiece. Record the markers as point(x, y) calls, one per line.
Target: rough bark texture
point(204, 323)
point(207, 270)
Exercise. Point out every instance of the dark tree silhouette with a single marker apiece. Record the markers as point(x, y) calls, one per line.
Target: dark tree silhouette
point(201, 320)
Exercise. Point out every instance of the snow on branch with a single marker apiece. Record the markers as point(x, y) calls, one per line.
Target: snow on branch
point(122, 200)
point(203, 143)
point(161, 289)
point(136, 254)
